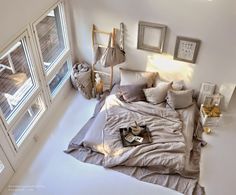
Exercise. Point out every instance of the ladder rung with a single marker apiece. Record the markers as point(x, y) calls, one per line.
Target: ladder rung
point(101, 45)
point(100, 72)
point(103, 32)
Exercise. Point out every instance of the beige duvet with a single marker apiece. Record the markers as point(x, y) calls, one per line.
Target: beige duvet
point(171, 160)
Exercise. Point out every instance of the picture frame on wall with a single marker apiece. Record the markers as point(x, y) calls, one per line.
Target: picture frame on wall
point(151, 36)
point(186, 49)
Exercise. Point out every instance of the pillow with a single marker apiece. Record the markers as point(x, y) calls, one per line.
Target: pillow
point(157, 94)
point(178, 85)
point(180, 99)
point(134, 77)
point(132, 93)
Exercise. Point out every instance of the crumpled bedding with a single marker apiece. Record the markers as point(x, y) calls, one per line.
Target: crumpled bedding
point(171, 160)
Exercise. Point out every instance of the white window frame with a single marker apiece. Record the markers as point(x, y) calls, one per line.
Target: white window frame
point(52, 70)
point(41, 77)
point(33, 92)
point(69, 64)
point(31, 125)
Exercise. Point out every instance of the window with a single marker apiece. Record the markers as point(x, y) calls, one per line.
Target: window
point(52, 43)
point(59, 78)
point(51, 37)
point(24, 84)
point(24, 125)
point(17, 78)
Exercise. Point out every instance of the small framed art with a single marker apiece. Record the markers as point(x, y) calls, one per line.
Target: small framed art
point(151, 36)
point(206, 89)
point(186, 49)
point(208, 101)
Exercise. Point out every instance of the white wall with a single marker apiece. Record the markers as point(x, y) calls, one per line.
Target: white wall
point(16, 15)
point(213, 22)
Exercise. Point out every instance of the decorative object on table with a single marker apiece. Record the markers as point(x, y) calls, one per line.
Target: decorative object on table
point(217, 99)
point(112, 54)
point(208, 101)
point(129, 139)
point(210, 117)
point(207, 130)
point(186, 49)
point(81, 79)
point(205, 90)
point(151, 36)
point(212, 100)
point(136, 130)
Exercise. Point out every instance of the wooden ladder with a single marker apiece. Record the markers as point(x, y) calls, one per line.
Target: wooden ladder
point(113, 38)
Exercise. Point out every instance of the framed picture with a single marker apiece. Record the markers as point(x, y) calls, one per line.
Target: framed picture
point(208, 101)
point(151, 36)
point(227, 90)
point(206, 89)
point(217, 99)
point(186, 49)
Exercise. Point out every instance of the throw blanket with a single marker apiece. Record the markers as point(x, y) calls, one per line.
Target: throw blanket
point(166, 153)
point(170, 152)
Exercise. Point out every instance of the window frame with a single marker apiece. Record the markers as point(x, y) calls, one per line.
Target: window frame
point(66, 51)
point(65, 78)
point(41, 77)
point(24, 103)
point(31, 125)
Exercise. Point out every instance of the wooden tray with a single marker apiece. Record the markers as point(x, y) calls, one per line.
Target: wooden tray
point(145, 134)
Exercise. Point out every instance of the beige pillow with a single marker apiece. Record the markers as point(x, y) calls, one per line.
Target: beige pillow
point(134, 77)
point(156, 95)
point(176, 84)
point(180, 99)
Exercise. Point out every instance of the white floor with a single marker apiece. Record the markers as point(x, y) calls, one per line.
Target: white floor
point(218, 160)
point(48, 171)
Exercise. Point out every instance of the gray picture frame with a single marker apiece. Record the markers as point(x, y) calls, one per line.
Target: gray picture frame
point(189, 54)
point(151, 36)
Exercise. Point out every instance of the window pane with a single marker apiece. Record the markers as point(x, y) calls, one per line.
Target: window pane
point(23, 128)
point(16, 79)
point(50, 35)
point(57, 81)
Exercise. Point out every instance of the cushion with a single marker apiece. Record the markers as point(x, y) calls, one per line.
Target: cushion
point(180, 99)
point(156, 95)
point(134, 77)
point(132, 93)
point(178, 85)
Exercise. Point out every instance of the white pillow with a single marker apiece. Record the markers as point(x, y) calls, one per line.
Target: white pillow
point(134, 77)
point(156, 95)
